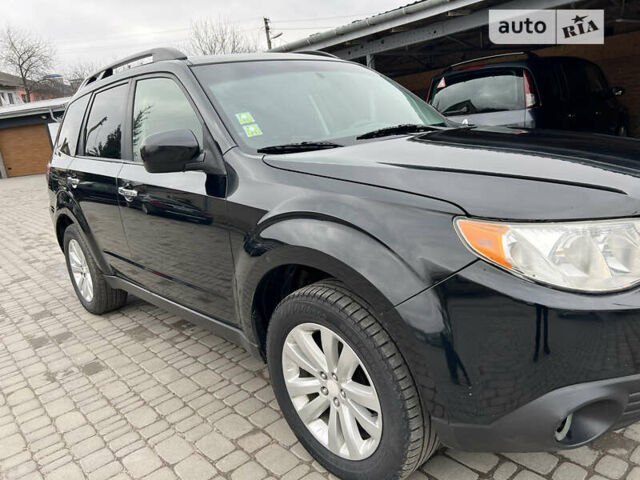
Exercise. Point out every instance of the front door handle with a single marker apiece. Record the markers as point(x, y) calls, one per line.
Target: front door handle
point(127, 193)
point(73, 182)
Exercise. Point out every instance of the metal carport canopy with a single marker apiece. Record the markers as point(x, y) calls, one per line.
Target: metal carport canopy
point(360, 30)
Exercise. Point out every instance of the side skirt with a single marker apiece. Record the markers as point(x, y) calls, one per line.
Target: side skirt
point(228, 332)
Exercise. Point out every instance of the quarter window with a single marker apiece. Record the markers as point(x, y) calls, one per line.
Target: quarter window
point(103, 133)
point(70, 129)
point(161, 106)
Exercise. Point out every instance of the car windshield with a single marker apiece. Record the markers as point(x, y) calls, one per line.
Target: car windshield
point(268, 103)
point(479, 92)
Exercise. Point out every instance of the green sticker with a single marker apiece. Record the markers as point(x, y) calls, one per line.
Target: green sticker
point(244, 118)
point(252, 130)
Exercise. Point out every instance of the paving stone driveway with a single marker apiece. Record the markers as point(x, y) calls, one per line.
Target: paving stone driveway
point(140, 393)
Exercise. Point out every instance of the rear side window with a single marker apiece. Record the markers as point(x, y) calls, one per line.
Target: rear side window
point(161, 106)
point(103, 133)
point(70, 129)
point(479, 92)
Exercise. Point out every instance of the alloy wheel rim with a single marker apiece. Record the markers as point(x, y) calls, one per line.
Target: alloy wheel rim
point(80, 270)
point(332, 391)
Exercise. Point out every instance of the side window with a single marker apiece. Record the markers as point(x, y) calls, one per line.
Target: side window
point(103, 133)
point(161, 106)
point(70, 129)
point(576, 83)
point(595, 79)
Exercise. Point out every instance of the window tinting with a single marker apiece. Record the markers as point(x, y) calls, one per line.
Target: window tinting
point(161, 106)
point(70, 129)
point(103, 133)
point(480, 92)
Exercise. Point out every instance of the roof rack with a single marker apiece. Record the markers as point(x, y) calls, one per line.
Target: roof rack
point(135, 60)
point(319, 53)
point(480, 59)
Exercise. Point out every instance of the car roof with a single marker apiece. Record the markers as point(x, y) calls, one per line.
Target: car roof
point(521, 63)
point(159, 59)
point(253, 57)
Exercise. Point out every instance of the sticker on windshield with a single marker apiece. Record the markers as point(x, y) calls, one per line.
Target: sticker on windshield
point(252, 130)
point(244, 118)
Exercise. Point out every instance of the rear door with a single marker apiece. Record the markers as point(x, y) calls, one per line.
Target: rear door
point(93, 172)
point(173, 221)
point(66, 143)
point(488, 96)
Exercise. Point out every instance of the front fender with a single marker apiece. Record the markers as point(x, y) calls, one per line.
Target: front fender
point(361, 262)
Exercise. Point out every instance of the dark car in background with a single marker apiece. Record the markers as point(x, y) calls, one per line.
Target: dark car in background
point(564, 93)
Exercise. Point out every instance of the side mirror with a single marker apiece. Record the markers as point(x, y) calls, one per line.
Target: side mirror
point(170, 151)
point(617, 91)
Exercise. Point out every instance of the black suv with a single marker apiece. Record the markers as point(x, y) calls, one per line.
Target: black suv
point(405, 278)
point(564, 93)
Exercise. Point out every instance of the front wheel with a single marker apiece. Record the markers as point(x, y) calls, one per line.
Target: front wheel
point(344, 387)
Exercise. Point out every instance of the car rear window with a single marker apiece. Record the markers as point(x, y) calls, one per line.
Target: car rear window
point(479, 92)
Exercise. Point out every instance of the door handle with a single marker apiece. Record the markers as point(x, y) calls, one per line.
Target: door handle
point(127, 193)
point(73, 182)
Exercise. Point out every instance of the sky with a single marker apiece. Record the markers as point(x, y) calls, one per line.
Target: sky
point(101, 31)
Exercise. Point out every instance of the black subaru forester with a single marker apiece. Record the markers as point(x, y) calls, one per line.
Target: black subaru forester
point(407, 279)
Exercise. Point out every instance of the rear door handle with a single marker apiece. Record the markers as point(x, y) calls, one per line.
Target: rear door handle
point(73, 182)
point(128, 193)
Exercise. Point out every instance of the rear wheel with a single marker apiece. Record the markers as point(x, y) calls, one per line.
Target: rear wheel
point(89, 283)
point(344, 387)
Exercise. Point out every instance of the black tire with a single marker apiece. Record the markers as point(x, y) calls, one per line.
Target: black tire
point(105, 298)
point(408, 439)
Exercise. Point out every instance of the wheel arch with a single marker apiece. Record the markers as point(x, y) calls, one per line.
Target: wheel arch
point(64, 217)
point(295, 252)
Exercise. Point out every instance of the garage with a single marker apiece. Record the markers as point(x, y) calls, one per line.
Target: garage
point(26, 133)
point(414, 43)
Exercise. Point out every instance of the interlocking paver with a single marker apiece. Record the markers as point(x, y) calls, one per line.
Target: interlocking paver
point(140, 393)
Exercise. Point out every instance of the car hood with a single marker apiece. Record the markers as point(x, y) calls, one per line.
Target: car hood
point(493, 172)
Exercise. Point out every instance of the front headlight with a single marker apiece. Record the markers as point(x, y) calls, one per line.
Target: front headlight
point(598, 256)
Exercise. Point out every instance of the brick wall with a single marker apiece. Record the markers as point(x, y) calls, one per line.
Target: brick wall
point(25, 150)
point(619, 58)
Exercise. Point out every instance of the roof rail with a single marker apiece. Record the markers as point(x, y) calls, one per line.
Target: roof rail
point(480, 59)
point(319, 53)
point(137, 59)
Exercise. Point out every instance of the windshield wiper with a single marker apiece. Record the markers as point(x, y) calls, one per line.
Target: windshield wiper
point(398, 130)
point(298, 147)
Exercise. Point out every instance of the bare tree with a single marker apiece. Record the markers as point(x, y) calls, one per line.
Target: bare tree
point(79, 71)
point(26, 55)
point(215, 37)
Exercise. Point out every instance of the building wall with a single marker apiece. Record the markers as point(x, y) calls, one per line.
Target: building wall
point(9, 97)
point(25, 150)
point(619, 58)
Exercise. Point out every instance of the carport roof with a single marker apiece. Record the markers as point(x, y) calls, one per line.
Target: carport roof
point(432, 34)
point(42, 107)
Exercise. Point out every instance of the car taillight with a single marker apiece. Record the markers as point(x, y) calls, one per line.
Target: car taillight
point(530, 99)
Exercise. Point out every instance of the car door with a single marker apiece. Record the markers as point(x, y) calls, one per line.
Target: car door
point(587, 106)
point(173, 221)
point(603, 103)
point(93, 172)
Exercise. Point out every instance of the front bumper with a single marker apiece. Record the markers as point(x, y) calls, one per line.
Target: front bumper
point(501, 361)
